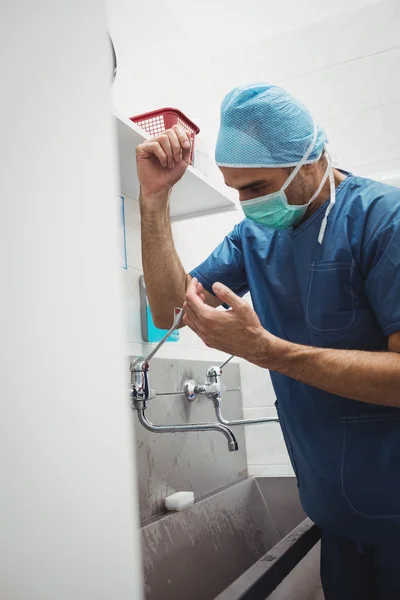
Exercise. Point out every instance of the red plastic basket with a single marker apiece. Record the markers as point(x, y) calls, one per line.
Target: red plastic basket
point(157, 121)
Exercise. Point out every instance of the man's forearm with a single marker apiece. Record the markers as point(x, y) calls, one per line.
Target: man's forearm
point(372, 377)
point(163, 271)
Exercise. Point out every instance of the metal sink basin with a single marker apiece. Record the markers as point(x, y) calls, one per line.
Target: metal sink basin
point(228, 544)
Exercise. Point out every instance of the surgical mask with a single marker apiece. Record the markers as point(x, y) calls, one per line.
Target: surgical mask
point(274, 211)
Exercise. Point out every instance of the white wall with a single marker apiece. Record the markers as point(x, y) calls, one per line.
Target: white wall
point(68, 503)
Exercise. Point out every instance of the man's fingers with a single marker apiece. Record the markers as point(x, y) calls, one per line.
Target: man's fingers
point(175, 145)
point(192, 287)
point(185, 140)
point(226, 295)
point(183, 136)
point(195, 287)
point(193, 303)
point(165, 143)
point(200, 309)
point(150, 149)
point(189, 311)
point(200, 292)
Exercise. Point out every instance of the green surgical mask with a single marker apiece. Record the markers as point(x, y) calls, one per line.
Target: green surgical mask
point(273, 210)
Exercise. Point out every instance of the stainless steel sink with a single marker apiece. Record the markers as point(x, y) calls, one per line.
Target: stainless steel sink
point(228, 543)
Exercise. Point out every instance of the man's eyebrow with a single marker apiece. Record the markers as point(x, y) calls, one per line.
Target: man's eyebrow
point(253, 184)
point(250, 185)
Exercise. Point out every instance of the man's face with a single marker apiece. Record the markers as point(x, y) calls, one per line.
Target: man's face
point(252, 183)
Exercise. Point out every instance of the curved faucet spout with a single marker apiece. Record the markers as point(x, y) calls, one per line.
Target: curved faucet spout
point(232, 443)
point(221, 419)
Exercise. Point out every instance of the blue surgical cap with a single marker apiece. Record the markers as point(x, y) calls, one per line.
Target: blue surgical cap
point(262, 125)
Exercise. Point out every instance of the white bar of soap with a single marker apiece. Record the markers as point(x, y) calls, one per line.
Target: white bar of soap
point(179, 501)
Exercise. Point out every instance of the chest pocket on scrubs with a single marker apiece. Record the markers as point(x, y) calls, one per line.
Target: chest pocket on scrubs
point(330, 298)
point(371, 464)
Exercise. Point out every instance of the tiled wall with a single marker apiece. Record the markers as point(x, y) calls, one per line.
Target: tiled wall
point(346, 69)
point(266, 450)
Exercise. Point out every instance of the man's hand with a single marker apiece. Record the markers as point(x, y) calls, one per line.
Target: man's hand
point(360, 375)
point(236, 331)
point(162, 161)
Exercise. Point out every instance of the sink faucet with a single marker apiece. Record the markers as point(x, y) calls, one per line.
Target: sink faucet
point(213, 389)
point(141, 392)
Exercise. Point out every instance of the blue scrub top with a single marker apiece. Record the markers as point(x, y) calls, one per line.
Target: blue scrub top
point(344, 293)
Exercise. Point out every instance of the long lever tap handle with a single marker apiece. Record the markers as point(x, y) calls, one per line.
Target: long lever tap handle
point(178, 314)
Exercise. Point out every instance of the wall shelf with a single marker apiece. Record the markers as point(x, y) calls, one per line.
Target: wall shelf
point(192, 196)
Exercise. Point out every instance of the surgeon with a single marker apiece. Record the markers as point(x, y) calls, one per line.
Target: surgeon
point(319, 252)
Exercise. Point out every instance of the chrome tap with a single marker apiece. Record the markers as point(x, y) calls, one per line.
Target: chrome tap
point(232, 443)
point(141, 392)
point(217, 406)
point(213, 389)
